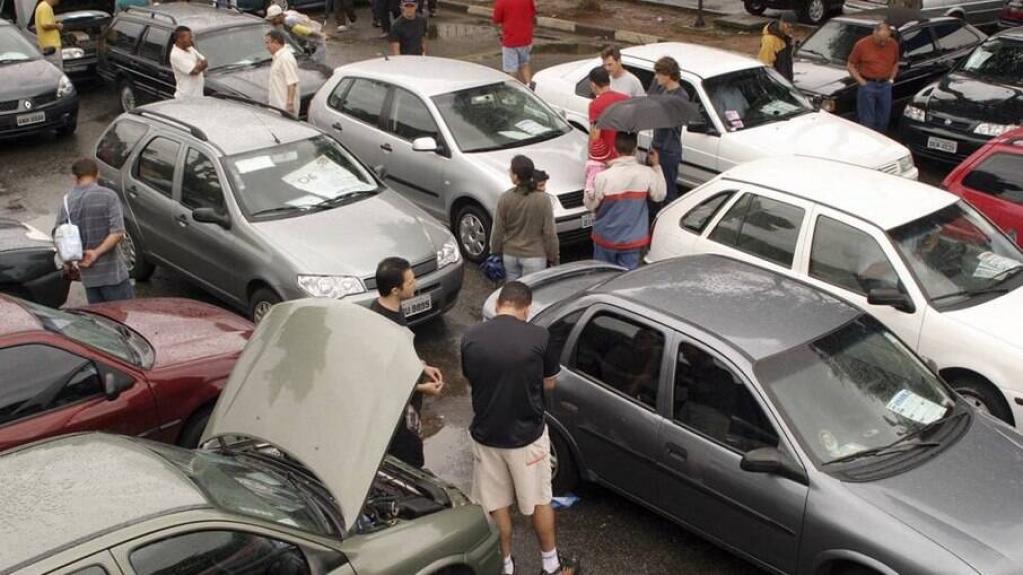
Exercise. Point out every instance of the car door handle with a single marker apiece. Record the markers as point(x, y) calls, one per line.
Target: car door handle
point(677, 452)
point(182, 220)
point(133, 191)
point(337, 126)
point(385, 147)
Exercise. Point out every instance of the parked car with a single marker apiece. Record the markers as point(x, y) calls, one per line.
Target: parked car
point(146, 367)
point(925, 263)
point(979, 99)
point(1012, 14)
point(809, 11)
point(84, 22)
point(257, 208)
point(981, 13)
point(135, 53)
point(289, 481)
point(781, 122)
point(35, 96)
point(27, 266)
point(445, 140)
point(929, 48)
point(775, 420)
point(992, 180)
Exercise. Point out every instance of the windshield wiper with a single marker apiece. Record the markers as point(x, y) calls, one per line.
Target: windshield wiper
point(815, 53)
point(280, 210)
point(244, 64)
point(901, 445)
point(1005, 275)
point(971, 293)
point(343, 199)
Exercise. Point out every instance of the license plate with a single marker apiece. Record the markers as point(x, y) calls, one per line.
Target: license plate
point(942, 144)
point(417, 305)
point(33, 118)
point(587, 220)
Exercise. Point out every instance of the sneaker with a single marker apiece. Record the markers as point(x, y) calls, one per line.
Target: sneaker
point(384, 35)
point(569, 566)
point(342, 28)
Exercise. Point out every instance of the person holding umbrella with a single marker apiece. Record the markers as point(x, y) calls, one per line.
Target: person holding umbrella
point(668, 140)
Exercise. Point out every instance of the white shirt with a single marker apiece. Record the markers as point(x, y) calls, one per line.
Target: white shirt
point(628, 84)
point(284, 73)
point(183, 62)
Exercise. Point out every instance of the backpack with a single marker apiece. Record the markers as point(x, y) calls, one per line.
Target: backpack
point(67, 239)
point(493, 267)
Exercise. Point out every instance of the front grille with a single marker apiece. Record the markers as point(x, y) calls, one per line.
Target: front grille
point(44, 99)
point(19, 106)
point(571, 200)
point(576, 236)
point(421, 269)
point(947, 122)
point(9, 106)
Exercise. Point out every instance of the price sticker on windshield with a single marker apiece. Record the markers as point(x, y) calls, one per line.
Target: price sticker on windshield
point(991, 265)
point(912, 406)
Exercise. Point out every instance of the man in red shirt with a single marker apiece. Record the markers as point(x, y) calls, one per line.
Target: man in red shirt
point(604, 96)
point(516, 19)
point(874, 64)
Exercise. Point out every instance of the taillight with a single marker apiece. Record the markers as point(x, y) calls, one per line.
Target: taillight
point(1013, 10)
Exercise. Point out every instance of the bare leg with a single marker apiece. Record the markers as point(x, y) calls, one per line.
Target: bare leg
point(502, 517)
point(543, 524)
point(526, 74)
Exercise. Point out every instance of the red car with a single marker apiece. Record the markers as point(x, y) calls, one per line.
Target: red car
point(992, 180)
point(146, 367)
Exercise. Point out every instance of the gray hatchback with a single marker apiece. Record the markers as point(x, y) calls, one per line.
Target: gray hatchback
point(775, 420)
point(258, 208)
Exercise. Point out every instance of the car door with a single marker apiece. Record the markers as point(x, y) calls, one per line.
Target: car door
point(46, 390)
point(677, 230)
point(716, 416)
point(155, 78)
point(353, 116)
point(149, 191)
point(919, 64)
point(955, 40)
point(849, 258)
point(995, 186)
point(419, 176)
point(118, 50)
point(607, 396)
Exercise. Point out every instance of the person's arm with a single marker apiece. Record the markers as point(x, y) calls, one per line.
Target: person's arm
point(435, 381)
point(89, 257)
point(551, 364)
point(291, 79)
point(658, 185)
point(498, 16)
point(592, 202)
point(550, 234)
point(49, 22)
point(395, 49)
point(768, 50)
point(895, 68)
point(497, 230)
point(853, 65)
point(424, 40)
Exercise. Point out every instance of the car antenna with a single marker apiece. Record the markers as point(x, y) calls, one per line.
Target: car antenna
point(262, 123)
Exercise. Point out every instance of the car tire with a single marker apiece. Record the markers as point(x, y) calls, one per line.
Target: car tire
point(472, 228)
point(139, 269)
point(69, 128)
point(261, 302)
point(981, 395)
point(192, 431)
point(753, 7)
point(127, 95)
point(814, 11)
point(564, 470)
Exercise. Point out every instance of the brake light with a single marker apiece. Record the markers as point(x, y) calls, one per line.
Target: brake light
point(1013, 10)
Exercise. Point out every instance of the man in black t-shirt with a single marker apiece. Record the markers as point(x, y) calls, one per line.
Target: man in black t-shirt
point(408, 33)
point(509, 364)
point(396, 283)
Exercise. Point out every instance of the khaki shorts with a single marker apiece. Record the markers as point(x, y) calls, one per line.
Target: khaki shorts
point(501, 477)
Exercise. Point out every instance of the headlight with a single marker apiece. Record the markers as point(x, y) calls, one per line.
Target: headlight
point(72, 53)
point(914, 113)
point(554, 201)
point(828, 104)
point(987, 129)
point(448, 254)
point(335, 287)
point(65, 87)
point(905, 164)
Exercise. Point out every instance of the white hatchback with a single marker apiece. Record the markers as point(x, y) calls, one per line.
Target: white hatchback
point(750, 112)
point(921, 260)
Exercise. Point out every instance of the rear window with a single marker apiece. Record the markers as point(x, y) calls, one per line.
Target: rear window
point(116, 145)
point(124, 35)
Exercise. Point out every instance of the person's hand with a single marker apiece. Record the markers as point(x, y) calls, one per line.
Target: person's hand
point(861, 81)
point(435, 381)
point(653, 158)
point(291, 108)
point(88, 258)
point(60, 27)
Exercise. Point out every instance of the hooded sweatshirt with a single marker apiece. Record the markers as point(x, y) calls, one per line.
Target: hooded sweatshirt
point(776, 49)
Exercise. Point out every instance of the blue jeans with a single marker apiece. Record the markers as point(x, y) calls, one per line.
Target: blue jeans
point(874, 105)
point(628, 259)
point(669, 166)
point(116, 292)
point(516, 267)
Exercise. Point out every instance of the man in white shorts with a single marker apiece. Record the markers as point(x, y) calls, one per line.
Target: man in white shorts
point(516, 19)
point(508, 365)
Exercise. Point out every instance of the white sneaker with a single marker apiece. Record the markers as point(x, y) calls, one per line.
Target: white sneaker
point(342, 28)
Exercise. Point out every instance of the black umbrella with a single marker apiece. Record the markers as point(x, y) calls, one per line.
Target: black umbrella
point(648, 113)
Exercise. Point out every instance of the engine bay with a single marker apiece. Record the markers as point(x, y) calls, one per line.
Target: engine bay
point(394, 497)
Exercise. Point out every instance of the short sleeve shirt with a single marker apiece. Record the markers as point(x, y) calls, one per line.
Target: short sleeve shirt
point(874, 62)
point(187, 85)
point(506, 361)
point(46, 38)
point(628, 84)
point(284, 73)
point(516, 20)
point(597, 106)
point(408, 33)
point(97, 213)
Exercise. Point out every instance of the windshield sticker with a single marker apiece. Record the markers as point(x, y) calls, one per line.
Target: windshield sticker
point(733, 118)
point(322, 177)
point(778, 108)
point(253, 164)
point(285, 157)
point(912, 406)
point(532, 127)
point(513, 135)
point(304, 201)
point(990, 265)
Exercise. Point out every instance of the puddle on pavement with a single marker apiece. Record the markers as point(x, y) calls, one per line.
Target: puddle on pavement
point(585, 48)
point(455, 31)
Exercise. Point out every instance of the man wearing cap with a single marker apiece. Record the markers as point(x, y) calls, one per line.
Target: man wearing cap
point(776, 45)
point(408, 33)
point(301, 28)
point(874, 63)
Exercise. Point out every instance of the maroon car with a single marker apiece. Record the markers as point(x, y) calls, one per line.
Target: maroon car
point(146, 367)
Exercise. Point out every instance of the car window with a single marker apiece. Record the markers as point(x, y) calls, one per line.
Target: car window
point(334, 100)
point(748, 98)
point(583, 90)
point(762, 227)
point(123, 35)
point(849, 258)
point(116, 145)
point(223, 552)
point(90, 570)
point(365, 101)
point(998, 59)
point(410, 118)
point(239, 45)
point(954, 36)
point(37, 378)
point(696, 219)
point(154, 45)
point(560, 331)
point(200, 185)
point(916, 44)
point(623, 355)
point(999, 175)
point(833, 41)
point(709, 398)
point(156, 164)
point(15, 48)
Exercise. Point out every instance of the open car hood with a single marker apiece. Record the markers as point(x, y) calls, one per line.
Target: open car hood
point(25, 9)
point(325, 382)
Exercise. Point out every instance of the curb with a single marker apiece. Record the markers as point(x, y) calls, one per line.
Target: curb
point(624, 36)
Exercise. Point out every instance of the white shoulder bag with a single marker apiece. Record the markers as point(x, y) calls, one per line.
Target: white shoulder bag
point(67, 239)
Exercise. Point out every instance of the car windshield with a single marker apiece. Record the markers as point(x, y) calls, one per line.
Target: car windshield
point(289, 179)
point(750, 98)
point(238, 46)
point(833, 41)
point(999, 59)
point(957, 255)
point(96, 332)
point(855, 390)
point(498, 116)
point(14, 47)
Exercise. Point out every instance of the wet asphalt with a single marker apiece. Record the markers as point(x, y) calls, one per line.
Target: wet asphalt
point(609, 533)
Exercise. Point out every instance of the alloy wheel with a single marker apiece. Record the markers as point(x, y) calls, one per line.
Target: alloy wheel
point(128, 253)
point(816, 10)
point(260, 310)
point(473, 235)
point(127, 97)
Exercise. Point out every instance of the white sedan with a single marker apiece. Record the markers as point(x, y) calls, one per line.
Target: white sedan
point(925, 263)
point(751, 112)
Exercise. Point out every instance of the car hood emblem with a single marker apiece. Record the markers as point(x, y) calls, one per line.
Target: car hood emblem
point(28, 104)
point(948, 122)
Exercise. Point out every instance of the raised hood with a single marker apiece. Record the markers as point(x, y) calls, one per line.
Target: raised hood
point(819, 78)
point(998, 318)
point(562, 158)
point(326, 382)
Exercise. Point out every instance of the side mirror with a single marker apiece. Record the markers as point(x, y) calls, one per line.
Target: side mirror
point(114, 385)
point(426, 144)
point(701, 126)
point(211, 216)
point(891, 297)
point(49, 51)
point(381, 171)
point(771, 460)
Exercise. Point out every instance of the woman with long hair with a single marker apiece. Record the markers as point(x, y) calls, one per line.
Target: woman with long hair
point(524, 232)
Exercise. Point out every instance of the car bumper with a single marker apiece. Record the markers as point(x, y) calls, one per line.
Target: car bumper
point(914, 135)
point(443, 287)
point(573, 226)
point(58, 115)
point(80, 68)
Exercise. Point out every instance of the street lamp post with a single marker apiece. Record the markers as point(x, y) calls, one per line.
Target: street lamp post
point(699, 23)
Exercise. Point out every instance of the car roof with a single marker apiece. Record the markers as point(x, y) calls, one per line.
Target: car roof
point(703, 61)
point(14, 318)
point(198, 17)
point(897, 17)
point(233, 126)
point(62, 491)
point(885, 200)
point(429, 75)
point(1014, 33)
point(758, 311)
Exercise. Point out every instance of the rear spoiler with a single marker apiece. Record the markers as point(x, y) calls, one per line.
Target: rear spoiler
point(537, 281)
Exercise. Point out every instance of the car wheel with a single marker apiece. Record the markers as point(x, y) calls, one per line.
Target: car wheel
point(192, 432)
point(472, 228)
point(564, 471)
point(982, 396)
point(127, 95)
point(814, 11)
point(262, 301)
point(69, 128)
point(754, 7)
point(139, 269)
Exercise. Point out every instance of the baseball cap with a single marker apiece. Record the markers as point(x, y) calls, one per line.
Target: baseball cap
point(273, 11)
point(789, 18)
